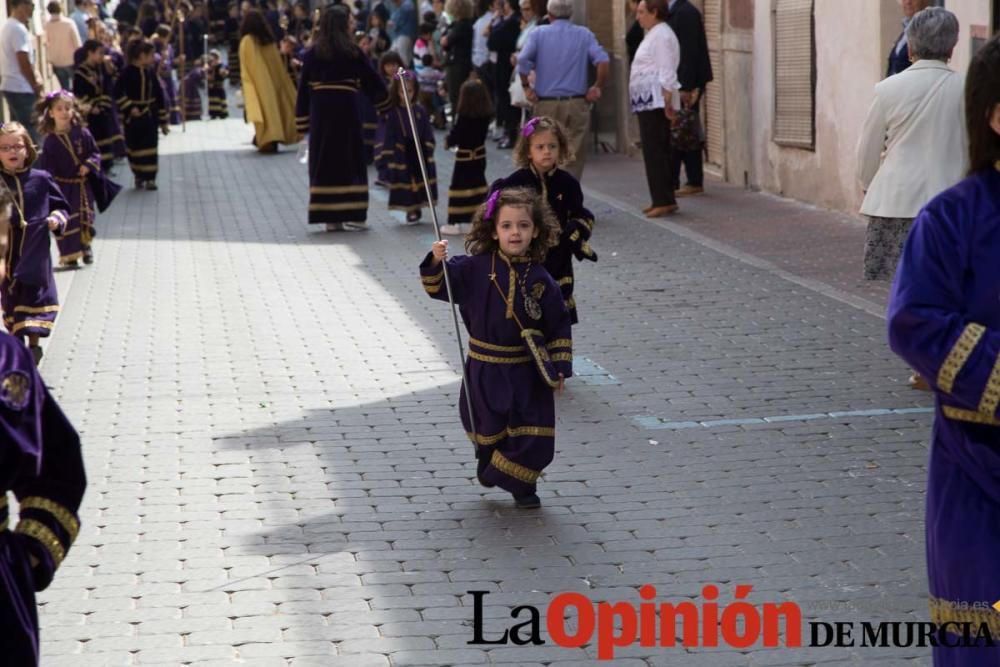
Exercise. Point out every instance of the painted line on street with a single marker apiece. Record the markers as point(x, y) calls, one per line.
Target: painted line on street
point(653, 423)
point(589, 371)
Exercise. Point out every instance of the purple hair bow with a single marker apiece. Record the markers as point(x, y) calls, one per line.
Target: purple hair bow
point(58, 93)
point(491, 204)
point(529, 127)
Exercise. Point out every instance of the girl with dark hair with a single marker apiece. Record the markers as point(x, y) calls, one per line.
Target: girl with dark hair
point(388, 65)
point(468, 180)
point(944, 321)
point(335, 75)
point(268, 93)
point(520, 342)
point(92, 87)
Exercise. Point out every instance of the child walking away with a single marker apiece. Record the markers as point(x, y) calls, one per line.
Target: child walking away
point(540, 151)
point(92, 87)
point(388, 64)
point(193, 82)
point(164, 58)
point(520, 344)
point(468, 181)
point(28, 289)
point(399, 158)
point(72, 158)
point(218, 105)
point(140, 100)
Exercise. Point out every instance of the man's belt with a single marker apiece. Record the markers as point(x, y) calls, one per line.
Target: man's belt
point(562, 99)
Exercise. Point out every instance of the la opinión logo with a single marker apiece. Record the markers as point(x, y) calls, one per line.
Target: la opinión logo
point(705, 623)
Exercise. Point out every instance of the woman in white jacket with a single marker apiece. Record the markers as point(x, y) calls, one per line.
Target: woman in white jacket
point(913, 143)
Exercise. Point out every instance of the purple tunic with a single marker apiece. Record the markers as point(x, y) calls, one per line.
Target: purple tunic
point(514, 409)
point(62, 156)
point(328, 108)
point(41, 463)
point(218, 105)
point(565, 197)
point(92, 88)
point(165, 70)
point(945, 322)
point(140, 101)
point(193, 82)
point(399, 163)
point(28, 291)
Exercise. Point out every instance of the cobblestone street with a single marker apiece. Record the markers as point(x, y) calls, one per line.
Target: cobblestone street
point(278, 475)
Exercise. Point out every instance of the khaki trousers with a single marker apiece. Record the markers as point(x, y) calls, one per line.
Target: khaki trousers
point(574, 116)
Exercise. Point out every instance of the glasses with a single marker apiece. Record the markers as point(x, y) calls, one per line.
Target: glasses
point(12, 148)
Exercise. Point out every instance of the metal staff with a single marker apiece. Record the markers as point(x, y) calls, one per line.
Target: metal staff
point(402, 74)
point(180, 22)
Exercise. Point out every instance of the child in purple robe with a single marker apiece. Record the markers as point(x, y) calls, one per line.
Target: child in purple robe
point(388, 65)
point(92, 88)
point(540, 150)
point(41, 463)
point(399, 159)
point(140, 100)
point(193, 82)
point(520, 341)
point(218, 105)
point(28, 289)
point(69, 154)
point(165, 70)
point(468, 180)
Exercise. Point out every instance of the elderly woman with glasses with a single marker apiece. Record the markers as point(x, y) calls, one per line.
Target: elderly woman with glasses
point(943, 320)
point(912, 144)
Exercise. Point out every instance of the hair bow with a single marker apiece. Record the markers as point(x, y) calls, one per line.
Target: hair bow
point(529, 127)
point(58, 93)
point(491, 205)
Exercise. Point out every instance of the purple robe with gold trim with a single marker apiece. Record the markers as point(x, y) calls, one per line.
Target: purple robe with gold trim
point(62, 155)
point(327, 107)
point(41, 463)
point(562, 191)
point(399, 163)
point(28, 292)
point(514, 408)
point(944, 320)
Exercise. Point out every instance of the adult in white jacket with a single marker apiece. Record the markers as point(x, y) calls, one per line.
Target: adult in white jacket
point(913, 144)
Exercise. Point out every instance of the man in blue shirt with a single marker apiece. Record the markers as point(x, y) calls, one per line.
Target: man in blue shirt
point(402, 28)
point(559, 54)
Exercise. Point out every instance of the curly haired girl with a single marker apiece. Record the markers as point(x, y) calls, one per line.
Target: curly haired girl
point(520, 345)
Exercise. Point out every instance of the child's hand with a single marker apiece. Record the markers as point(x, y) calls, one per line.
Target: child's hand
point(84, 170)
point(562, 384)
point(53, 223)
point(165, 130)
point(440, 250)
point(135, 112)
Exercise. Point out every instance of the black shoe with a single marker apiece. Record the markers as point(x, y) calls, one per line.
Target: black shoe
point(88, 256)
point(528, 502)
point(151, 185)
point(36, 352)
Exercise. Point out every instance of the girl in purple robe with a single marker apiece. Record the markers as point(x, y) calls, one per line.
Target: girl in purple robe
point(468, 180)
point(140, 100)
point(28, 289)
point(165, 70)
point(540, 151)
point(520, 341)
point(193, 82)
point(69, 154)
point(388, 65)
point(944, 321)
point(398, 158)
point(92, 88)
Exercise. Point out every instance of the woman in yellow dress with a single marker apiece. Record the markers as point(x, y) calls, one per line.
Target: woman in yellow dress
point(268, 93)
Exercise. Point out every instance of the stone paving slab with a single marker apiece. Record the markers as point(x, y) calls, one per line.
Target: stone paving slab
point(278, 476)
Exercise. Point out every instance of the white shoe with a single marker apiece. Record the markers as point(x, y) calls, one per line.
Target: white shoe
point(356, 226)
point(452, 230)
point(334, 226)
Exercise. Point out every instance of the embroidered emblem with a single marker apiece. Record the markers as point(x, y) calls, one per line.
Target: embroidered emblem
point(15, 390)
point(537, 290)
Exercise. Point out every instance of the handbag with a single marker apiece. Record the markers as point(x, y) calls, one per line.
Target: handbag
point(516, 90)
point(686, 132)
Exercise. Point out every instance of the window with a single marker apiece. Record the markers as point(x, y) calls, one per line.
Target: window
point(794, 73)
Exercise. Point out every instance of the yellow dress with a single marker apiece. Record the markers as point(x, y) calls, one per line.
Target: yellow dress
point(268, 93)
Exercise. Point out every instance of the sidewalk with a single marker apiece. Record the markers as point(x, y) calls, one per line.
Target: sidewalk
point(278, 477)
